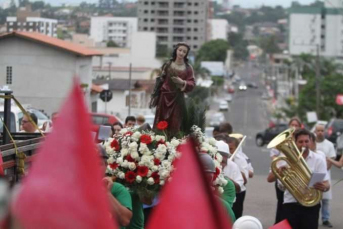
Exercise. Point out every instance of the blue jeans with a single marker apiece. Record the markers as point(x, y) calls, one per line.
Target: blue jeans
point(325, 209)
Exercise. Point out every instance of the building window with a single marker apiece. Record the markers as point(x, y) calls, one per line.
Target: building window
point(152, 20)
point(9, 75)
point(195, 21)
point(195, 29)
point(196, 4)
point(145, 20)
point(195, 46)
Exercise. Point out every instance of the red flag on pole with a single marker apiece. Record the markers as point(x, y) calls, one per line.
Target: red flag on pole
point(282, 225)
point(188, 201)
point(339, 99)
point(64, 186)
point(2, 173)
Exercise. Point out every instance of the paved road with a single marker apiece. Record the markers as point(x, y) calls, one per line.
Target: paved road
point(249, 114)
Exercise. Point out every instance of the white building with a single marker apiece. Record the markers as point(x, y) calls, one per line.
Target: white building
point(219, 29)
point(140, 55)
point(33, 24)
point(317, 26)
point(40, 69)
point(118, 29)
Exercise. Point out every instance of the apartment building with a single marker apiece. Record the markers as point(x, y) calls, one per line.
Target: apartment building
point(118, 29)
point(318, 25)
point(175, 21)
point(29, 21)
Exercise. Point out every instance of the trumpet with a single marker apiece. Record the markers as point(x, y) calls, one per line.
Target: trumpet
point(296, 175)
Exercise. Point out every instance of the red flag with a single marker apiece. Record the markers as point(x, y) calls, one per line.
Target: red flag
point(2, 173)
point(188, 201)
point(339, 99)
point(282, 225)
point(64, 186)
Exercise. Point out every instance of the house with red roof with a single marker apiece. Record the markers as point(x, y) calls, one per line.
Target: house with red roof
point(40, 69)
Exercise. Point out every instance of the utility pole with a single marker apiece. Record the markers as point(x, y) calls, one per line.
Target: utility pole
point(109, 69)
point(317, 82)
point(130, 70)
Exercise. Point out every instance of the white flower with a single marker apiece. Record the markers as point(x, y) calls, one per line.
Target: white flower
point(161, 148)
point(143, 147)
point(162, 182)
point(220, 190)
point(151, 181)
point(134, 155)
point(133, 146)
point(154, 168)
point(123, 131)
point(164, 174)
point(149, 173)
point(217, 164)
point(166, 164)
point(125, 164)
point(124, 144)
point(212, 141)
point(159, 155)
point(121, 175)
point(138, 179)
point(219, 157)
point(160, 138)
point(124, 152)
point(110, 150)
point(136, 136)
point(119, 160)
point(110, 160)
point(175, 142)
point(132, 166)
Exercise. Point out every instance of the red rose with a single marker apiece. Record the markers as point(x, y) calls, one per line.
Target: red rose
point(160, 142)
point(162, 125)
point(216, 174)
point(145, 138)
point(129, 133)
point(156, 177)
point(157, 161)
point(142, 171)
point(114, 165)
point(115, 145)
point(130, 176)
point(129, 158)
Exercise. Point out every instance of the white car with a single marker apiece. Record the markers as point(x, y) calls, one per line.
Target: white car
point(228, 98)
point(242, 87)
point(216, 119)
point(223, 106)
point(17, 116)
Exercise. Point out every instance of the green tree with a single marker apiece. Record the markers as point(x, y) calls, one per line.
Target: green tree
point(269, 45)
point(111, 43)
point(213, 51)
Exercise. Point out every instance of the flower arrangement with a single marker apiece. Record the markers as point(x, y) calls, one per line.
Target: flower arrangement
point(142, 161)
point(208, 145)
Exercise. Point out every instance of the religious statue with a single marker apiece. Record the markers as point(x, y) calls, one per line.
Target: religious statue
point(177, 78)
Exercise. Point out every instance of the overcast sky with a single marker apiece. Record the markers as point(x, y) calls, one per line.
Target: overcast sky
point(243, 3)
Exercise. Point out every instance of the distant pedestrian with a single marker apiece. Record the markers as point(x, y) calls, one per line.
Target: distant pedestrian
point(117, 126)
point(225, 127)
point(28, 126)
point(328, 149)
point(130, 122)
point(140, 120)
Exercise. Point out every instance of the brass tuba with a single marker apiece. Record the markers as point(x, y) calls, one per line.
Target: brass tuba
point(297, 175)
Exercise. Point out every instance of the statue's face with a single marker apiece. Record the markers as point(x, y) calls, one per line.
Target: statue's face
point(181, 52)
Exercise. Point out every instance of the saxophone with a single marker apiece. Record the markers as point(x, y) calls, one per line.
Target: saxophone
point(296, 176)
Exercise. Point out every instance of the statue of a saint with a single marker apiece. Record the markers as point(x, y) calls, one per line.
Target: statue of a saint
point(177, 80)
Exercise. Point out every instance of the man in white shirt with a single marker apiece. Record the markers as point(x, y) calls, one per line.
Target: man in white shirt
point(27, 126)
point(230, 169)
point(244, 169)
point(299, 216)
point(328, 149)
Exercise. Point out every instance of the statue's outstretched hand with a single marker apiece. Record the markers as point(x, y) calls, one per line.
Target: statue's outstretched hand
point(177, 80)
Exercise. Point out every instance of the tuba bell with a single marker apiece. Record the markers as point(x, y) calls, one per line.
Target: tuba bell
point(296, 176)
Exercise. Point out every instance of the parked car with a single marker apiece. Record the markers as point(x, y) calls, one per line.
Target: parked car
point(242, 87)
point(228, 98)
point(216, 119)
point(267, 135)
point(333, 129)
point(17, 116)
point(265, 96)
point(252, 85)
point(231, 89)
point(223, 106)
point(99, 119)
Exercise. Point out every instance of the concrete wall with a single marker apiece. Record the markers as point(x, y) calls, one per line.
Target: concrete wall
point(305, 32)
point(42, 75)
point(333, 36)
point(219, 29)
